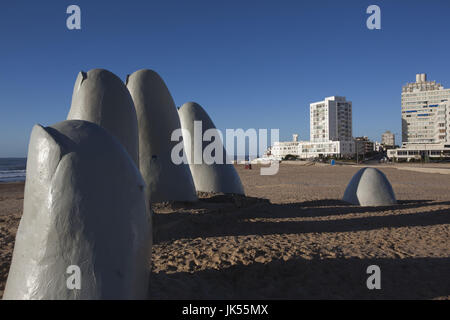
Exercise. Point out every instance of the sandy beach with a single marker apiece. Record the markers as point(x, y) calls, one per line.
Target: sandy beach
point(291, 238)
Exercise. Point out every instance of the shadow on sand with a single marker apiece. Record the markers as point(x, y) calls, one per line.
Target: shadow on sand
point(339, 278)
point(236, 213)
point(421, 278)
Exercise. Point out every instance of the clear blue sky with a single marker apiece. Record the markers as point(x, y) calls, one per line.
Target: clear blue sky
point(250, 64)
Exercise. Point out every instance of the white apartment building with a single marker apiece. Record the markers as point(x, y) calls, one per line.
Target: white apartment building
point(330, 129)
point(330, 132)
point(331, 120)
point(425, 120)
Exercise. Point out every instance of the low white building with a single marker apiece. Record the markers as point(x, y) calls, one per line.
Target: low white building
point(308, 149)
point(419, 151)
point(279, 150)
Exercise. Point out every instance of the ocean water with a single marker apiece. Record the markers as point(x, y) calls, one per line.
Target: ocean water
point(12, 169)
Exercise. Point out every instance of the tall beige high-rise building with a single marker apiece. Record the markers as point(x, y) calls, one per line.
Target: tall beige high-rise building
point(388, 139)
point(425, 121)
point(424, 116)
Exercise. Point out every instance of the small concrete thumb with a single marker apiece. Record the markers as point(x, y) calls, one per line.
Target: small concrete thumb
point(214, 176)
point(369, 187)
point(85, 230)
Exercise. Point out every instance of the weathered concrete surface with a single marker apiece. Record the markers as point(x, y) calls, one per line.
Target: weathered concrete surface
point(157, 119)
point(84, 205)
point(369, 187)
point(101, 97)
point(213, 177)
